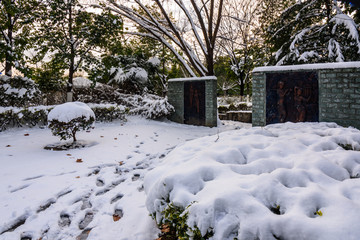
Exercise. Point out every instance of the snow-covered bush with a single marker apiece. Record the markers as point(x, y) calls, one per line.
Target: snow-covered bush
point(68, 118)
point(32, 116)
point(283, 181)
point(130, 73)
point(149, 106)
point(109, 112)
point(18, 91)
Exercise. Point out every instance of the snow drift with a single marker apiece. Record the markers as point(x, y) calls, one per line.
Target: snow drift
point(284, 181)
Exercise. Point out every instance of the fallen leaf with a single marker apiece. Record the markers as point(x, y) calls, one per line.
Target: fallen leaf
point(79, 160)
point(101, 136)
point(26, 134)
point(115, 138)
point(116, 217)
point(77, 177)
point(8, 145)
point(68, 154)
point(121, 163)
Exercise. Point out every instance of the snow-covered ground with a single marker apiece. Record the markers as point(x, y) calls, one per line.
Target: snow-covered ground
point(90, 193)
point(284, 181)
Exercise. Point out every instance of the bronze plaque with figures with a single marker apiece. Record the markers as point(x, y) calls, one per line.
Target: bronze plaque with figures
point(292, 96)
point(194, 103)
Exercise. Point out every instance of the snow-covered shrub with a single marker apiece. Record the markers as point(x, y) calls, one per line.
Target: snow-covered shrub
point(130, 73)
point(19, 92)
point(109, 112)
point(18, 117)
point(32, 116)
point(175, 219)
point(149, 106)
point(68, 118)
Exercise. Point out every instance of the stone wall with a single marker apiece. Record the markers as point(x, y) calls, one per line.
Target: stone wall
point(176, 98)
point(339, 91)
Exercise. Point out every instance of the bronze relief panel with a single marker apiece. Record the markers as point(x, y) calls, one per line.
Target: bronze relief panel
point(292, 96)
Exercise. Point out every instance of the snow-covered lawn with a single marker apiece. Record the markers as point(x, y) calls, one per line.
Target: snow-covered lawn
point(285, 181)
point(52, 195)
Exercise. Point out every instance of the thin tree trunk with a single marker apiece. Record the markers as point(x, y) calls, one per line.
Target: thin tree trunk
point(9, 53)
point(72, 59)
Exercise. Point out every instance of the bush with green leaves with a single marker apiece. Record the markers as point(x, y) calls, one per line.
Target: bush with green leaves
point(67, 119)
point(175, 218)
point(18, 92)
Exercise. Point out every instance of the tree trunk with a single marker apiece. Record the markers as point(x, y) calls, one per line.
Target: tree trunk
point(9, 53)
point(72, 60)
point(242, 86)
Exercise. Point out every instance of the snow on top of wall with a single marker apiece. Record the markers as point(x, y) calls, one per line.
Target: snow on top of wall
point(193, 79)
point(314, 66)
point(69, 111)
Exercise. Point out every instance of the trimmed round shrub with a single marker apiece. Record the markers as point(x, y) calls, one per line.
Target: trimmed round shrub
point(67, 119)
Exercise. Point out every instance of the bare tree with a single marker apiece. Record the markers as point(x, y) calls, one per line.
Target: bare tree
point(202, 22)
point(239, 37)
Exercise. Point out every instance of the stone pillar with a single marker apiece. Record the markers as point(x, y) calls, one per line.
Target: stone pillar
point(176, 93)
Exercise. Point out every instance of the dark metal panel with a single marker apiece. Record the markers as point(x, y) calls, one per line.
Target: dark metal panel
point(292, 96)
point(194, 102)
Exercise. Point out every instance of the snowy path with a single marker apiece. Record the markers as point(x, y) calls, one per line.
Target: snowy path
point(90, 193)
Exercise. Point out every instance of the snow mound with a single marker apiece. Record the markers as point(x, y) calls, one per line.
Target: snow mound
point(80, 82)
point(283, 181)
point(69, 111)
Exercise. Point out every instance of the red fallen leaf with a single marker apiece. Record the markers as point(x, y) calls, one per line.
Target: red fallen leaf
point(79, 160)
point(116, 217)
point(26, 134)
point(8, 145)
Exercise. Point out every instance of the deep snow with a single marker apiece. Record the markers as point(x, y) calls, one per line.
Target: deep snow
point(284, 181)
point(64, 194)
point(290, 181)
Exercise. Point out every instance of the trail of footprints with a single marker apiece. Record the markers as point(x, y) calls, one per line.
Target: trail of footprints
point(65, 218)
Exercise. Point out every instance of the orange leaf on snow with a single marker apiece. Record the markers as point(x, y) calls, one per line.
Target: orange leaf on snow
point(79, 160)
point(116, 217)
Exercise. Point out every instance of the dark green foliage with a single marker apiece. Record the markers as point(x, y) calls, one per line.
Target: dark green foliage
point(50, 77)
point(176, 218)
point(71, 34)
point(347, 146)
point(17, 20)
point(37, 116)
point(121, 71)
point(66, 130)
point(23, 117)
point(19, 92)
point(108, 114)
point(312, 32)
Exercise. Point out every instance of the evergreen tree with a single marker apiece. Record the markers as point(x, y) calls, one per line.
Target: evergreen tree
point(71, 34)
point(313, 31)
point(16, 21)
